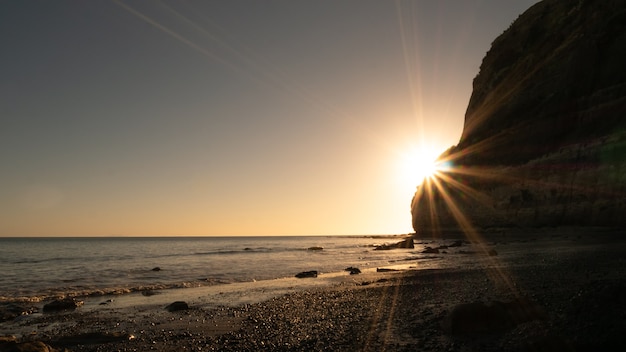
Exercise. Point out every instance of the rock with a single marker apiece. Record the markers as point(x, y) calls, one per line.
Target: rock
point(177, 306)
point(62, 304)
point(9, 311)
point(315, 248)
point(430, 250)
point(492, 252)
point(493, 318)
point(385, 270)
point(353, 270)
point(305, 274)
point(408, 243)
point(156, 268)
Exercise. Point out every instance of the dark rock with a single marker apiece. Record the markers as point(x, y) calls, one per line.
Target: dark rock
point(353, 270)
point(156, 268)
point(494, 318)
point(149, 293)
point(305, 274)
point(408, 243)
point(430, 250)
point(385, 270)
point(62, 304)
point(315, 248)
point(492, 252)
point(177, 306)
point(9, 311)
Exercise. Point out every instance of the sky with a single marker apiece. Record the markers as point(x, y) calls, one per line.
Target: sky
point(226, 118)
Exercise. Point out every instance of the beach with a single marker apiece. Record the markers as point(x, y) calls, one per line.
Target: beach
point(570, 282)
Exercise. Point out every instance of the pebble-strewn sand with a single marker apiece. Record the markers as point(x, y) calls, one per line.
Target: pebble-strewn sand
point(578, 280)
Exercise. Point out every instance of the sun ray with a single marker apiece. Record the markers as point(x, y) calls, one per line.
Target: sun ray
point(496, 271)
point(467, 190)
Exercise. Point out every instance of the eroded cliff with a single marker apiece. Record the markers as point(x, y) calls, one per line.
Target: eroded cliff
point(544, 139)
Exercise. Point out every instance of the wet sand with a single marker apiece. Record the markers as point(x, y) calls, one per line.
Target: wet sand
point(574, 276)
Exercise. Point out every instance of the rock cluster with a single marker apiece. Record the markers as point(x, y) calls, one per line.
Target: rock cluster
point(407, 243)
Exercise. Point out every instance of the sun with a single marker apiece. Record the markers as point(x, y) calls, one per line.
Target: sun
point(417, 164)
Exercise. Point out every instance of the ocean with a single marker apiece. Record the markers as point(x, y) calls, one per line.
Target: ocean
point(37, 269)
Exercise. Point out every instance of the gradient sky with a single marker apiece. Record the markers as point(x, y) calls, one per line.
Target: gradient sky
point(229, 117)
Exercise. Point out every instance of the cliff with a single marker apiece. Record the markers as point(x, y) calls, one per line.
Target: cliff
point(544, 139)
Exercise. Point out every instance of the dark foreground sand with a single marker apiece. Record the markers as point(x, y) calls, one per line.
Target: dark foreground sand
point(574, 279)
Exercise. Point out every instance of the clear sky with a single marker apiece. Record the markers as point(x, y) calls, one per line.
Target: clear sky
point(230, 117)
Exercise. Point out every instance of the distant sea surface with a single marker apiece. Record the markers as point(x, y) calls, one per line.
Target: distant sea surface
point(36, 269)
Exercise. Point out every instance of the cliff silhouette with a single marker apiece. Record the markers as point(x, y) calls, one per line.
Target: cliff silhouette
point(544, 138)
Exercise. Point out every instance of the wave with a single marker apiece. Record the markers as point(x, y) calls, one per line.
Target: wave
point(85, 292)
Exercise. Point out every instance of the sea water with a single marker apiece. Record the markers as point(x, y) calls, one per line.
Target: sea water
point(36, 269)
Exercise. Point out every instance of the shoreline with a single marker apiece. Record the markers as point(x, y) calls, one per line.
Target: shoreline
point(576, 280)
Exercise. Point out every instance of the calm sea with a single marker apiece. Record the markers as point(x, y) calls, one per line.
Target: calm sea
point(34, 269)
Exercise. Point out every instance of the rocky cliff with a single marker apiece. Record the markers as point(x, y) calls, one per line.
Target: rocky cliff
point(544, 139)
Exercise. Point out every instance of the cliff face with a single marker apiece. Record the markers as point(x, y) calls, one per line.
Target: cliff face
point(544, 140)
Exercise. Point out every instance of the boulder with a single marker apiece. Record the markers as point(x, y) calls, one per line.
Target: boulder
point(353, 270)
point(430, 250)
point(62, 304)
point(305, 274)
point(177, 306)
point(491, 318)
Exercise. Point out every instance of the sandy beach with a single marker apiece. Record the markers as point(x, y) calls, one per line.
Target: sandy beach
point(559, 290)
